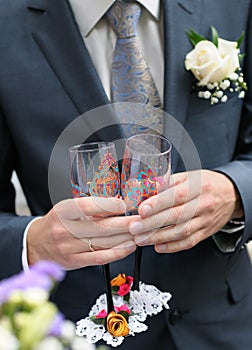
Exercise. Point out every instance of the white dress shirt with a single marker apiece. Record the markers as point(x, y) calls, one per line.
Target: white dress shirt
point(100, 40)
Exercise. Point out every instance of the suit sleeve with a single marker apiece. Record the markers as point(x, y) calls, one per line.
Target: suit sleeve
point(240, 170)
point(12, 226)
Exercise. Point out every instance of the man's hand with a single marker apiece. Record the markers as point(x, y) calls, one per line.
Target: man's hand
point(64, 234)
point(196, 205)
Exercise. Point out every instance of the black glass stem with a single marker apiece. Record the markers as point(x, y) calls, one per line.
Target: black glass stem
point(106, 274)
point(138, 258)
point(137, 268)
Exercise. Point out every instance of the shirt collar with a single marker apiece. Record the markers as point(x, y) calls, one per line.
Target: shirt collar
point(97, 8)
point(153, 6)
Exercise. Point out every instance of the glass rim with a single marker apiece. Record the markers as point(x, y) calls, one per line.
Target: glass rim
point(150, 135)
point(87, 147)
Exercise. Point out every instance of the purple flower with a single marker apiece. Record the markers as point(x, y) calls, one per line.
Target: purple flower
point(23, 281)
point(56, 327)
point(51, 269)
point(42, 275)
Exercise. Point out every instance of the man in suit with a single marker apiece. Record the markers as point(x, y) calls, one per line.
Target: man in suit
point(48, 77)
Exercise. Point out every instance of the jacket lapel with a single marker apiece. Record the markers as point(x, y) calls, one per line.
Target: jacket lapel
point(57, 35)
point(179, 17)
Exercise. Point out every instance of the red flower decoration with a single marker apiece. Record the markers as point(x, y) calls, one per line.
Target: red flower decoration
point(102, 314)
point(124, 289)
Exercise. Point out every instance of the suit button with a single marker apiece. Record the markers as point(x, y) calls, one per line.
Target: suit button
point(175, 316)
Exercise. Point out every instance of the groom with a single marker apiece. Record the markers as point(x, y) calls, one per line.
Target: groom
point(55, 65)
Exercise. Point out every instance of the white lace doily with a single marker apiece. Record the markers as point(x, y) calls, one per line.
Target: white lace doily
point(148, 301)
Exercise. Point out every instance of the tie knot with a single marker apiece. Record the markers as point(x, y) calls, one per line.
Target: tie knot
point(124, 16)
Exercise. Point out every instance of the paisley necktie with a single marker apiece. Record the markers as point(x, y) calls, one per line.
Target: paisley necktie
point(131, 77)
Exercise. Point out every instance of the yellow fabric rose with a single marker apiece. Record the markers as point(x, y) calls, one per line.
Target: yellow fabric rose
point(118, 280)
point(117, 325)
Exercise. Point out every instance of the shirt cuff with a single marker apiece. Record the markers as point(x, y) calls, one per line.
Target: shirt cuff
point(226, 242)
point(229, 237)
point(25, 263)
point(233, 226)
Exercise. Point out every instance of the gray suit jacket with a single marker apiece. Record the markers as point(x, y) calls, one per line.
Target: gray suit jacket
point(47, 80)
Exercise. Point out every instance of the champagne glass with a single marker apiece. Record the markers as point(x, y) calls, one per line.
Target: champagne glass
point(146, 169)
point(94, 172)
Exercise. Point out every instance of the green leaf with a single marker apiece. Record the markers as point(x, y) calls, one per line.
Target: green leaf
point(241, 57)
point(97, 320)
point(240, 40)
point(194, 37)
point(115, 289)
point(126, 297)
point(124, 314)
point(244, 86)
point(215, 36)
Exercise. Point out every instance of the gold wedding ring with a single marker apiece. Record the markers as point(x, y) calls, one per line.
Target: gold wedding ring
point(91, 248)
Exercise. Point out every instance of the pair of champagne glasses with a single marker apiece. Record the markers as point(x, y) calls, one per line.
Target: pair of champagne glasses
point(143, 172)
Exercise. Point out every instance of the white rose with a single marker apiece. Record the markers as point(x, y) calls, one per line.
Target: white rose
point(210, 64)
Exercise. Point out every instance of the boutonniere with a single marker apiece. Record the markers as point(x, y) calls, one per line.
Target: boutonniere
point(216, 66)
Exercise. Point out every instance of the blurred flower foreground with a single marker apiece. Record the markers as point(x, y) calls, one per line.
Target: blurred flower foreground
point(28, 320)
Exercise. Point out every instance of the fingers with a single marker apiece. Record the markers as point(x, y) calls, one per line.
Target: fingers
point(48, 238)
point(72, 253)
point(111, 241)
point(184, 188)
point(171, 216)
point(77, 246)
point(172, 233)
point(77, 217)
point(175, 238)
point(97, 227)
point(179, 245)
point(73, 209)
point(196, 206)
point(100, 257)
